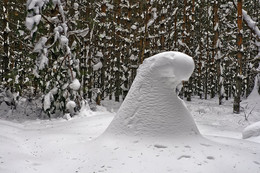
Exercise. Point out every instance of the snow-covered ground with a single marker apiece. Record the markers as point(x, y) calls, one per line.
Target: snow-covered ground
point(82, 144)
point(219, 120)
point(59, 145)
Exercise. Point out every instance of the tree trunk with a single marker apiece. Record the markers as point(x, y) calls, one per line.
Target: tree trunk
point(175, 27)
point(117, 53)
point(190, 22)
point(236, 106)
point(216, 51)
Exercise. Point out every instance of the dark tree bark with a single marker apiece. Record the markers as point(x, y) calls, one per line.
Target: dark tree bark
point(236, 106)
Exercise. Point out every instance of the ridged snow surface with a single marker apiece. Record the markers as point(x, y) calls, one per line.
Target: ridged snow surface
point(152, 107)
point(154, 132)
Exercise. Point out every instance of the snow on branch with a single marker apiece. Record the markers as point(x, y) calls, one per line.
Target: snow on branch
point(251, 23)
point(253, 26)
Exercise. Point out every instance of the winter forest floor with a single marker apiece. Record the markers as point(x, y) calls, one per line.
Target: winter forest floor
point(28, 143)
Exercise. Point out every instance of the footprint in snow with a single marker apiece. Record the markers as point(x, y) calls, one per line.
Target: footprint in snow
point(210, 158)
point(205, 145)
point(160, 146)
point(184, 157)
point(256, 162)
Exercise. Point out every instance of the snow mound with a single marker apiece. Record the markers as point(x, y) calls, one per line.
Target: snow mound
point(252, 130)
point(154, 132)
point(152, 107)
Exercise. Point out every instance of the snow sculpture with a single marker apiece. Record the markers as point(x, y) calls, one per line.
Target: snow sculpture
point(152, 107)
point(154, 132)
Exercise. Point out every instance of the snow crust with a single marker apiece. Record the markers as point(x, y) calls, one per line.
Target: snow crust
point(152, 107)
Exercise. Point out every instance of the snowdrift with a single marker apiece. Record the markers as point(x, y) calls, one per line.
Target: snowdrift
point(154, 132)
point(152, 107)
point(252, 130)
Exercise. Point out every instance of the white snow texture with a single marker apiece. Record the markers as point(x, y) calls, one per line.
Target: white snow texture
point(75, 85)
point(152, 107)
point(154, 132)
point(252, 130)
point(97, 66)
point(70, 106)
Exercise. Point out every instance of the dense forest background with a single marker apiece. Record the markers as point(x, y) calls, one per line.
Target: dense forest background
point(64, 52)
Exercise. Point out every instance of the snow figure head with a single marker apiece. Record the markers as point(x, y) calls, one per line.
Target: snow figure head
point(152, 107)
point(170, 67)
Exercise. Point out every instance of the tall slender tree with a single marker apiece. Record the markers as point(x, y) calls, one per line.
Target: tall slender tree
point(6, 39)
point(236, 106)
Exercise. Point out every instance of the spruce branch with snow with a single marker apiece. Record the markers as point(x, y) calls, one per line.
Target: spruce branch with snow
point(56, 66)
